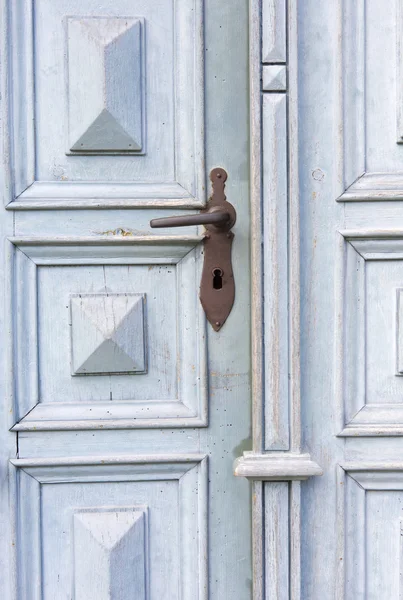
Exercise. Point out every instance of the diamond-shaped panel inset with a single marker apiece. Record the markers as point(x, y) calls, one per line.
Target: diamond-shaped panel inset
point(105, 84)
point(108, 334)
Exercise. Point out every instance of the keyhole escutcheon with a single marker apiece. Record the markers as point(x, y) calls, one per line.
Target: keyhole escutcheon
point(217, 278)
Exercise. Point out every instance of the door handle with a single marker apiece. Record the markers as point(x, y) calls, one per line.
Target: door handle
point(217, 287)
point(215, 216)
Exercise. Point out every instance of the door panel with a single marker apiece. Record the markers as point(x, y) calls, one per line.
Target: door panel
point(351, 249)
point(123, 411)
point(151, 351)
point(110, 529)
point(125, 80)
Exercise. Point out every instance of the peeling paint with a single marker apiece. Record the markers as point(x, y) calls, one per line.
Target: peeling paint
point(117, 231)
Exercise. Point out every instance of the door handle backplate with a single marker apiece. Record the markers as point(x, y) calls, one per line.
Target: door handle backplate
point(217, 287)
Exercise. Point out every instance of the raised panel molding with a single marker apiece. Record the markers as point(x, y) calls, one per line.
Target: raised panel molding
point(105, 111)
point(276, 466)
point(360, 185)
point(374, 187)
point(358, 249)
point(399, 80)
point(274, 31)
point(399, 332)
point(275, 260)
point(107, 334)
point(188, 409)
point(277, 454)
point(356, 480)
point(106, 82)
point(274, 78)
point(111, 554)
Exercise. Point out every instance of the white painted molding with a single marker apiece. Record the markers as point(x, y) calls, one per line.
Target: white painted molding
point(275, 233)
point(374, 187)
point(188, 471)
point(187, 187)
point(358, 416)
point(85, 195)
point(399, 86)
point(125, 459)
point(188, 407)
point(276, 466)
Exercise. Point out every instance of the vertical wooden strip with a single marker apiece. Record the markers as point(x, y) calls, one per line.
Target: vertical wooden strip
point(189, 121)
point(340, 533)
point(352, 75)
point(339, 358)
point(274, 31)
point(354, 332)
point(23, 112)
point(256, 224)
point(5, 141)
point(399, 61)
point(275, 267)
point(401, 561)
point(276, 531)
point(25, 339)
point(29, 571)
point(295, 540)
point(258, 540)
point(202, 519)
point(355, 532)
point(293, 230)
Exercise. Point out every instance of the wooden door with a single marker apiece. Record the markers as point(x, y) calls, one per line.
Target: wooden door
point(122, 410)
point(327, 193)
point(351, 165)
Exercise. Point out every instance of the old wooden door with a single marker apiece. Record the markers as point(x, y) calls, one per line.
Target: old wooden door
point(351, 200)
point(328, 279)
point(121, 409)
point(327, 240)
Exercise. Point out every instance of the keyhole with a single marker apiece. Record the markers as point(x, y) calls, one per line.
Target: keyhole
point(217, 279)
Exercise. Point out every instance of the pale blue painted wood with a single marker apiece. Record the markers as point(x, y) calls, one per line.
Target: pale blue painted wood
point(128, 487)
point(106, 84)
point(352, 272)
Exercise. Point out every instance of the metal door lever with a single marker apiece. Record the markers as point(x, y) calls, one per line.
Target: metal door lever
point(217, 288)
point(214, 216)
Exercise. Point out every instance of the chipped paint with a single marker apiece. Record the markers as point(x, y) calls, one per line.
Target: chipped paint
point(117, 231)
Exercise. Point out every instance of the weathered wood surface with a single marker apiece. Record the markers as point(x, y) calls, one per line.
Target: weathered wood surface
point(121, 483)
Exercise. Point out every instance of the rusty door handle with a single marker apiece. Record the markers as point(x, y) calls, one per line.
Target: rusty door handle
point(214, 216)
point(217, 288)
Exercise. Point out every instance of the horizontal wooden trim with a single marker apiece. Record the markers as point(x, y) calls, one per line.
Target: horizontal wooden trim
point(112, 424)
point(374, 187)
point(86, 195)
point(276, 466)
point(136, 459)
point(109, 249)
point(124, 240)
point(375, 420)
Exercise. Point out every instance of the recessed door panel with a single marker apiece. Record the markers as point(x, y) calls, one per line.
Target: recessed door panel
point(117, 96)
point(122, 410)
point(118, 344)
point(134, 529)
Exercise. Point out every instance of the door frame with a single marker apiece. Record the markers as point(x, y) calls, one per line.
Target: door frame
point(277, 464)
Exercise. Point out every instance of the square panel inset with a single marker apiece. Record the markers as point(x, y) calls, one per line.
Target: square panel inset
point(81, 308)
point(368, 333)
point(370, 521)
point(107, 334)
point(123, 83)
point(106, 527)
